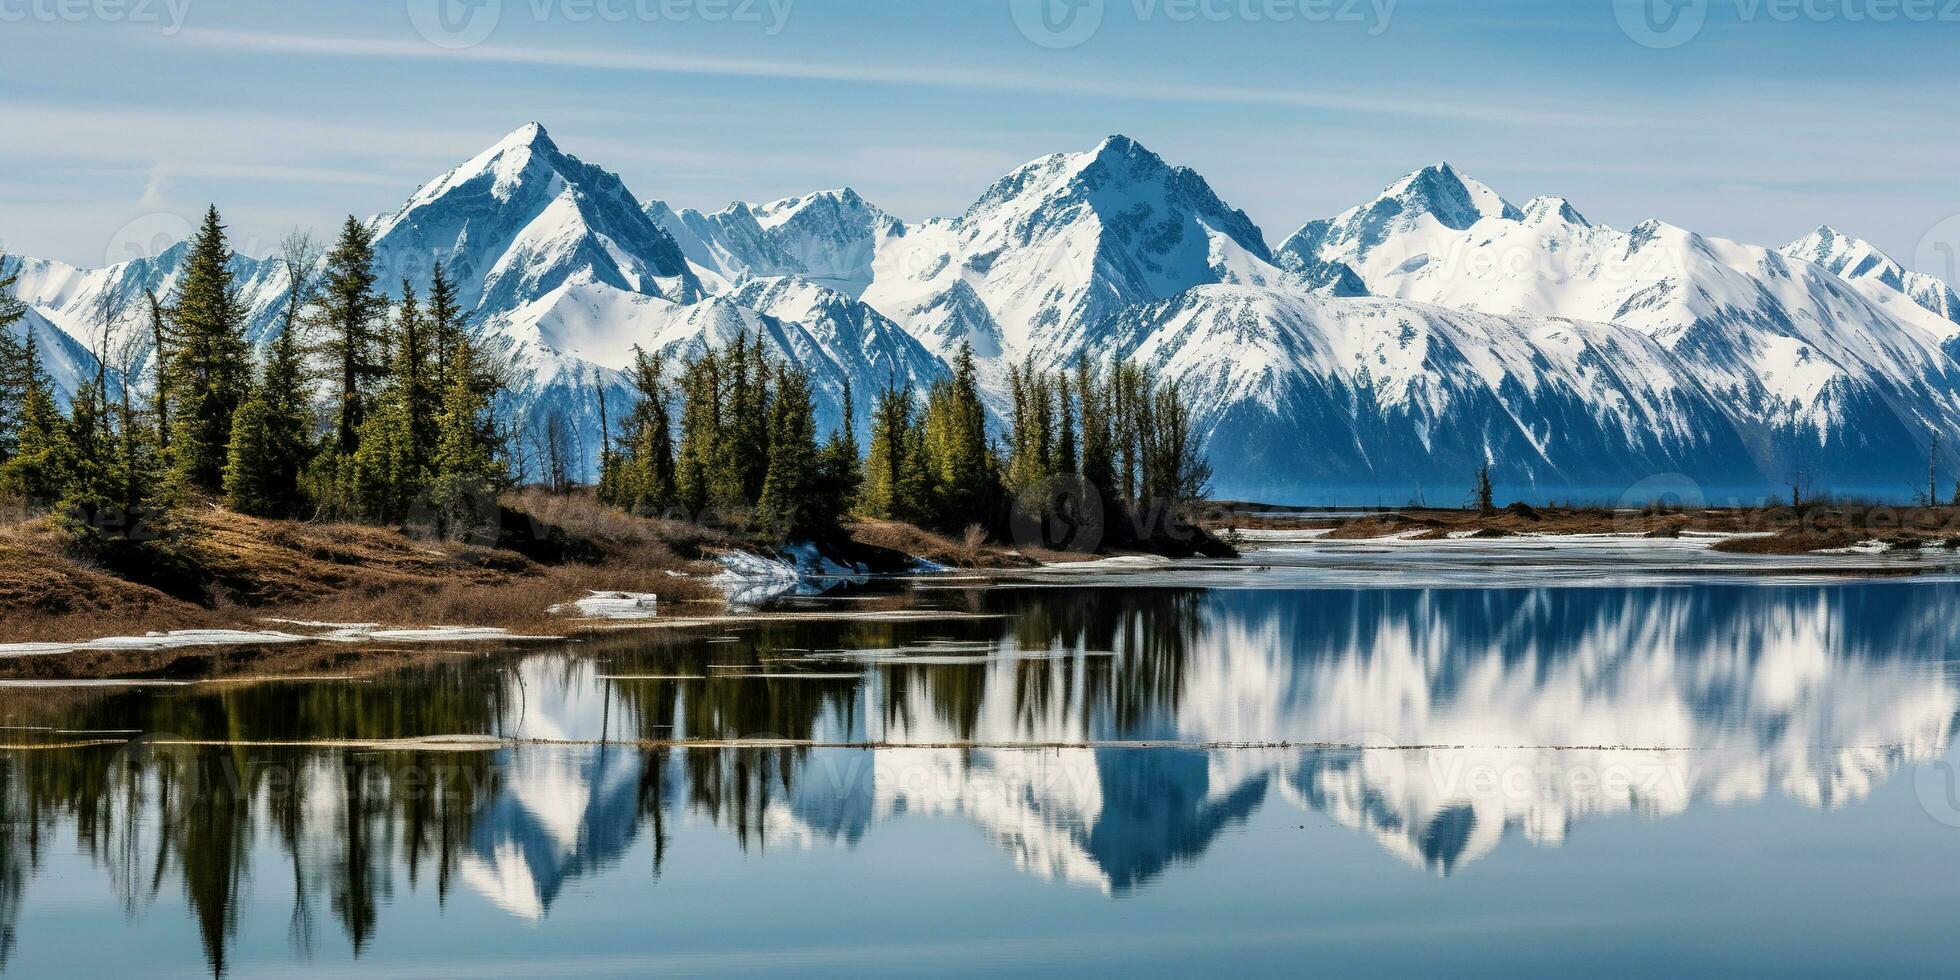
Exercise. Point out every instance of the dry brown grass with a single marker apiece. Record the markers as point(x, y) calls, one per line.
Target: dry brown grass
point(968, 551)
point(245, 569)
point(1780, 530)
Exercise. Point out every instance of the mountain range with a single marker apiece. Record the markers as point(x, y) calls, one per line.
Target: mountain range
point(1382, 353)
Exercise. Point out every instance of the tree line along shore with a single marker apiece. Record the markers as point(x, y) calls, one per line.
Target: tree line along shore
point(191, 468)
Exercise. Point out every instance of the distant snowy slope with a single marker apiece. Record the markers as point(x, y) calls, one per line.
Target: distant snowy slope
point(1302, 394)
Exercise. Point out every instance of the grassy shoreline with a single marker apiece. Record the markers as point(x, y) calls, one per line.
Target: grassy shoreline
point(1815, 528)
point(235, 572)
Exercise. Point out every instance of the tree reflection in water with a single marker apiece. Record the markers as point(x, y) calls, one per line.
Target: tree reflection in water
point(1728, 693)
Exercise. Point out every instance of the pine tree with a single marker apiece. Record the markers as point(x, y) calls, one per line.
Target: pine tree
point(383, 478)
point(1092, 399)
point(446, 325)
point(887, 474)
point(412, 373)
point(788, 506)
point(644, 479)
point(468, 473)
point(841, 471)
point(349, 315)
point(115, 498)
point(160, 365)
point(14, 365)
point(208, 367)
point(36, 472)
point(251, 481)
point(698, 459)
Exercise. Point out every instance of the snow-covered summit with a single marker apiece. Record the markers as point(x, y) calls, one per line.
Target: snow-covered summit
point(520, 219)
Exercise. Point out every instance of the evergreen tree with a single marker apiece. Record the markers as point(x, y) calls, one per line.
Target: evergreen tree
point(446, 324)
point(36, 471)
point(468, 475)
point(1098, 462)
point(841, 469)
point(887, 471)
point(643, 481)
point(349, 316)
point(698, 459)
point(160, 365)
point(964, 477)
point(381, 476)
point(251, 483)
point(412, 373)
point(789, 506)
point(208, 368)
point(15, 365)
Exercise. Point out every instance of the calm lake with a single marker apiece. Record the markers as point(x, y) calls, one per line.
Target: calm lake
point(1625, 758)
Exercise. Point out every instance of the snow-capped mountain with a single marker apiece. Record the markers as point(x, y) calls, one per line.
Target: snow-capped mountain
point(1410, 338)
point(522, 218)
point(68, 364)
point(1876, 274)
point(1815, 374)
point(74, 302)
point(1407, 395)
point(829, 237)
point(1059, 245)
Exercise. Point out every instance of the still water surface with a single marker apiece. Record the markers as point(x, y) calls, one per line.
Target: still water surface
point(1257, 768)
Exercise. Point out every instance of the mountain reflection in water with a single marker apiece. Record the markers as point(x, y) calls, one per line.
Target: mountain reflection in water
point(1436, 722)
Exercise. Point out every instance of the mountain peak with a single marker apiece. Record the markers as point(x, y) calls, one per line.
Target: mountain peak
point(1545, 208)
point(1456, 201)
point(529, 134)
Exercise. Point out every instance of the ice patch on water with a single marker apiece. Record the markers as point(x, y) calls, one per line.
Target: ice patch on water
point(172, 640)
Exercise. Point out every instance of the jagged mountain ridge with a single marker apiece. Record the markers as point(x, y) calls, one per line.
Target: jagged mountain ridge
point(1411, 336)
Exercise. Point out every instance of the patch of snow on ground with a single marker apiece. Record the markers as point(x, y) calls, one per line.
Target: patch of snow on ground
point(611, 605)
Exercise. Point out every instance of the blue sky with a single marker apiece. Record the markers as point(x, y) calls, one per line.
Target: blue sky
point(1773, 117)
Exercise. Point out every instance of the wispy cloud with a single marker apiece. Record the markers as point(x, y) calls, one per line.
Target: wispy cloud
point(1424, 106)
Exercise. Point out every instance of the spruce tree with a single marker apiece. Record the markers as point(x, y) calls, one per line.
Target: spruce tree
point(37, 470)
point(412, 373)
point(644, 478)
point(842, 471)
point(446, 324)
point(886, 469)
point(208, 368)
point(381, 476)
point(349, 317)
point(698, 459)
point(14, 365)
point(1098, 462)
point(788, 506)
point(251, 481)
point(468, 474)
point(160, 366)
